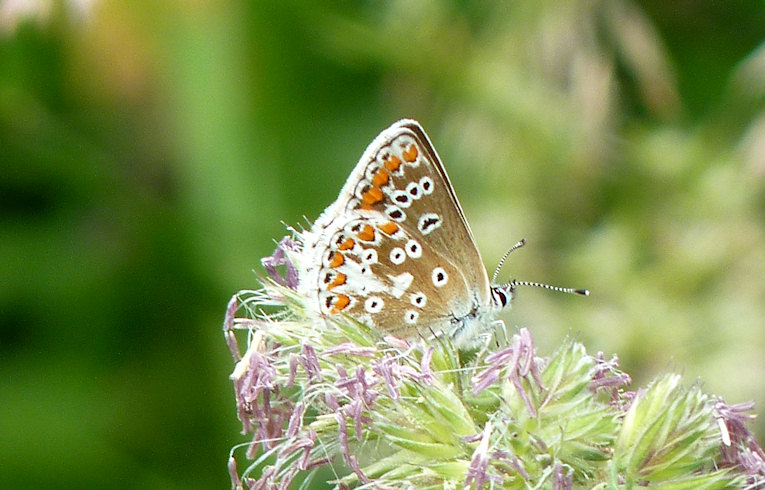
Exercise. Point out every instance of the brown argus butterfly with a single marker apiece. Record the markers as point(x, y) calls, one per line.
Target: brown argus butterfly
point(395, 252)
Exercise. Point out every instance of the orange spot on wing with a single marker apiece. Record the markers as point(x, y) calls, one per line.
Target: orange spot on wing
point(367, 234)
point(380, 178)
point(372, 196)
point(393, 163)
point(338, 281)
point(389, 228)
point(341, 302)
point(347, 244)
point(336, 260)
point(410, 154)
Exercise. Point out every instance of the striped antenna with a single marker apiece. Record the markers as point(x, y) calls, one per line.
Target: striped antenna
point(513, 283)
point(581, 292)
point(518, 245)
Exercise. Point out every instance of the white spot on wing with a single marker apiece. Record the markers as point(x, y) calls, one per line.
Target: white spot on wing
point(395, 213)
point(397, 255)
point(418, 299)
point(369, 256)
point(413, 249)
point(428, 222)
point(373, 304)
point(426, 184)
point(401, 283)
point(360, 278)
point(401, 198)
point(440, 277)
point(414, 190)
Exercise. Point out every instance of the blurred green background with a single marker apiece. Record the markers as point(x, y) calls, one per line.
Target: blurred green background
point(150, 150)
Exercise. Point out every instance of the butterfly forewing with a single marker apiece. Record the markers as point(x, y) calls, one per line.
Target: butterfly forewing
point(395, 250)
point(454, 238)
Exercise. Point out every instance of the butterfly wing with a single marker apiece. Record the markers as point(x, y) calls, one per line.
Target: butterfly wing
point(395, 250)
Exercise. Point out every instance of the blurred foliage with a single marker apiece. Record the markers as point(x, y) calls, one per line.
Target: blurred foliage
point(151, 149)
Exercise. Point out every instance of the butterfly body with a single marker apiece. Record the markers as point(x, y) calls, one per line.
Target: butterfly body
point(394, 250)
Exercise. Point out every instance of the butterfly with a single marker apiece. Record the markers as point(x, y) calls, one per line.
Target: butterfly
point(395, 251)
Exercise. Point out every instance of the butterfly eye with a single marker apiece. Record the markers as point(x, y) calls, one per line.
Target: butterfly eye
point(499, 296)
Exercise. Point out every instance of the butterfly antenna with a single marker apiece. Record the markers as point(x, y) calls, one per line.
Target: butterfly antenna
point(518, 245)
point(581, 292)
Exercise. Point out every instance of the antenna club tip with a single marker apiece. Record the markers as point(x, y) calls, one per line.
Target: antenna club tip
point(513, 283)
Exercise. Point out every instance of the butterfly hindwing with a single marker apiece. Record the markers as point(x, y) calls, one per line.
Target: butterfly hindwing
point(382, 280)
point(394, 250)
